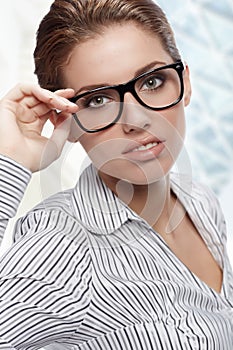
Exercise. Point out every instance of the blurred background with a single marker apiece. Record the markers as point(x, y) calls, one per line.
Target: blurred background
point(203, 31)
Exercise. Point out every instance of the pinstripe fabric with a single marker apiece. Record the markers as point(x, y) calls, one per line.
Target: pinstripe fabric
point(87, 273)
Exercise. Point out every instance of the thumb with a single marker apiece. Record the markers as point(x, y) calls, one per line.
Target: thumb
point(56, 142)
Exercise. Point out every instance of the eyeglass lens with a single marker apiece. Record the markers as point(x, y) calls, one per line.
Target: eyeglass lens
point(158, 89)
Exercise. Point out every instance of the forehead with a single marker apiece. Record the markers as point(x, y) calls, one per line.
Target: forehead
point(113, 57)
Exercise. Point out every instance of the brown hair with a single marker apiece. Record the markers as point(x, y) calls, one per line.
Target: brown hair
point(70, 22)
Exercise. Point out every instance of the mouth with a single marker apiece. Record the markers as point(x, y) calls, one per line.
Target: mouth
point(146, 147)
point(144, 150)
point(142, 145)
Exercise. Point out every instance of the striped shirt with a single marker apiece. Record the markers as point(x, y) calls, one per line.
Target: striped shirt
point(86, 272)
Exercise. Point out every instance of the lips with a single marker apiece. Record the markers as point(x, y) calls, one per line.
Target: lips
point(144, 150)
point(138, 145)
point(145, 147)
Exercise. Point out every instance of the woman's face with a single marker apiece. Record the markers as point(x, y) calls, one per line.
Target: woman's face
point(117, 56)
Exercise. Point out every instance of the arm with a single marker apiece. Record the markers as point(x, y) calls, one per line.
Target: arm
point(23, 114)
point(44, 281)
point(13, 182)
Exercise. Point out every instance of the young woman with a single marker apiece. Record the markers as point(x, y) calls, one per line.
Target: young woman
point(133, 257)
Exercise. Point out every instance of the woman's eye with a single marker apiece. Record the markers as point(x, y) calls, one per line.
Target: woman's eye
point(152, 83)
point(98, 101)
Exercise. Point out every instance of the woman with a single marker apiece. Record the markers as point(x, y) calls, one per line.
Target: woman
point(132, 257)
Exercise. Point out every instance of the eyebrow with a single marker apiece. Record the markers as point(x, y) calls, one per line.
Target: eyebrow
point(138, 72)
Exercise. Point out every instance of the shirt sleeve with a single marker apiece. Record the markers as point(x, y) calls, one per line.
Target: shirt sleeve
point(5, 346)
point(14, 179)
point(44, 282)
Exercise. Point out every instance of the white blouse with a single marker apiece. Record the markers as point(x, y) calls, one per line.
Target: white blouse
point(86, 272)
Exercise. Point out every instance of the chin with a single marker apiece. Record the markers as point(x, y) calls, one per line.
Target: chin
point(135, 173)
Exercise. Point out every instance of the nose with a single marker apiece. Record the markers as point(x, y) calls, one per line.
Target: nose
point(135, 118)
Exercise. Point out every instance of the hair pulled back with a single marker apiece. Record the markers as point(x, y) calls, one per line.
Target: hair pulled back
point(71, 22)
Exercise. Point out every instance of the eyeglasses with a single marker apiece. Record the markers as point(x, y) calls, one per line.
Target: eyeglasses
point(158, 89)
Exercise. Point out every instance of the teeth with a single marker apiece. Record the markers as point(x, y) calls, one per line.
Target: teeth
point(146, 147)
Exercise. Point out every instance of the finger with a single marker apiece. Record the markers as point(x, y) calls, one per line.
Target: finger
point(61, 132)
point(56, 143)
point(67, 93)
point(36, 112)
point(30, 101)
point(35, 127)
point(59, 117)
point(37, 109)
point(53, 100)
point(18, 92)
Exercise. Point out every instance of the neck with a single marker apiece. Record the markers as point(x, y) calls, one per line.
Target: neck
point(155, 202)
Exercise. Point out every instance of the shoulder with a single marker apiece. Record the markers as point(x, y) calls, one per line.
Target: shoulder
point(56, 213)
point(194, 191)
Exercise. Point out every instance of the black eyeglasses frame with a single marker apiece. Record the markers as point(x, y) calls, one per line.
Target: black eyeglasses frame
point(122, 89)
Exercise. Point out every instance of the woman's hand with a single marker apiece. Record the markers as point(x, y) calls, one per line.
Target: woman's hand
point(23, 114)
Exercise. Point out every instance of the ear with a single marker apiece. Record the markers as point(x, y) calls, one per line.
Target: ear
point(187, 86)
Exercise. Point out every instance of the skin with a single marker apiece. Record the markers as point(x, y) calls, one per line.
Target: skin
point(26, 108)
point(139, 183)
point(134, 51)
point(24, 111)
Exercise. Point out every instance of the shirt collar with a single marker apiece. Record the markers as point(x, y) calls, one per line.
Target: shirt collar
point(97, 207)
point(102, 212)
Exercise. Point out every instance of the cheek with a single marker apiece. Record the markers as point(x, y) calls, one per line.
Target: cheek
point(105, 146)
point(175, 124)
point(173, 128)
point(99, 149)
point(102, 151)
point(180, 123)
